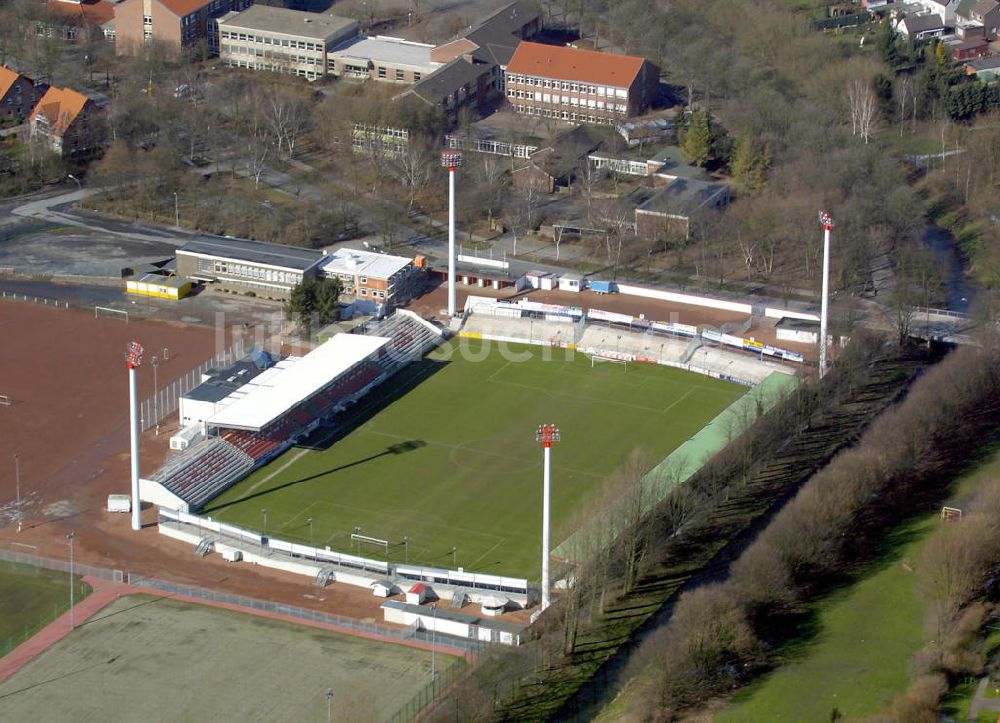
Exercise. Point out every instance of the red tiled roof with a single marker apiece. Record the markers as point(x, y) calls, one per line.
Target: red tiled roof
point(60, 106)
point(7, 79)
point(180, 8)
point(89, 14)
point(590, 66)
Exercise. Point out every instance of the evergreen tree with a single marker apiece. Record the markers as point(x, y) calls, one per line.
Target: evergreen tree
point(313, 300)
point(698, 141)
point(887, 44)
point(749, 162)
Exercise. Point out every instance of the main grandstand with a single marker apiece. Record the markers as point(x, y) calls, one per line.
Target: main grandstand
point(242, 417)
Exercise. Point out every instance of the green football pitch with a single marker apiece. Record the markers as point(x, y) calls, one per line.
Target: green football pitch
point(445, 456)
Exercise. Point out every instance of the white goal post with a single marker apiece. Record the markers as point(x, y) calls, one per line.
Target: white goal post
point(597, 358)
point(108, 311)
point(371, 541)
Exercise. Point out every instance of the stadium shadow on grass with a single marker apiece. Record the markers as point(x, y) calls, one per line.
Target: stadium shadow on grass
point(396, 388)
point(400, 448)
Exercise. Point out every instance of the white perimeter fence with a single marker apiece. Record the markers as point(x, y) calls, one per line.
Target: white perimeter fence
point(326, 556)
point(166, 400)
point(34, 299)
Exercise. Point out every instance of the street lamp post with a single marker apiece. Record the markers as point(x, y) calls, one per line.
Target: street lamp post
point(547, 435)
point(72, 622)
point(406, 550)
point(310, 523)
point(17, 482)
point(433, 641)
point(177, 211)
point(155, 361)
point(329, 705)
point(75, 180)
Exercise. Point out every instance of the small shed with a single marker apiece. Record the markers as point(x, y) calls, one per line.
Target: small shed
point(494, 605)
point(119, 503)
point(384, 588)
point(541, 280)
point(570, 282)
point(417, 594)
point(798, 330)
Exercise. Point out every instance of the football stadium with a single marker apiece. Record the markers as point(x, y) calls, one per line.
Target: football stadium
point(400, 457)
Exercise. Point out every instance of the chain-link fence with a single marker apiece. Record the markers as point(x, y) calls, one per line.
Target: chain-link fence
point(166, 401)
point(428, 694)
point(441, 682)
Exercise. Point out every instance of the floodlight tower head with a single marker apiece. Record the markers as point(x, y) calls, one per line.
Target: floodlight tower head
point(452, 160)
point(826, 220)
point(547, 435)
point(133, 355)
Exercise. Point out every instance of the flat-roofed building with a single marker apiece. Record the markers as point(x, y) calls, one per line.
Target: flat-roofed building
point(393, 60)
point(378, 282)
point(241, 265)
point(579, 85)
point(280, 40)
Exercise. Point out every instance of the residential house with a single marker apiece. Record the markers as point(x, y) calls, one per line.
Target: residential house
point(280, 40)
point(921, 27)
point(17, 94)
point(391, 60)
point(978, 18)
point(579, 85)
point(378, 282)
point(68, 122)
point(671, 209)
point(556, 165)
point(945, 8)
point(471, 66)
point(179, 25)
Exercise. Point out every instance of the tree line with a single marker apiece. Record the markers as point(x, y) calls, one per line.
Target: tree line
point(903, 463)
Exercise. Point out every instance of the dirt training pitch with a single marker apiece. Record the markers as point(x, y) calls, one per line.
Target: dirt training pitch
point(64, 372)
point(160, 659)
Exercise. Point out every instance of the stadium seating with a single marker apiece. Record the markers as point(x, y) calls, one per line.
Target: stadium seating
point(410, 341)
point(204, 471)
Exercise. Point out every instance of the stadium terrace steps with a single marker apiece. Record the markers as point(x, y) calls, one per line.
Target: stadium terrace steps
point(205, 471)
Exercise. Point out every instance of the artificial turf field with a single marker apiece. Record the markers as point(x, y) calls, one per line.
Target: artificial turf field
point(453, 462)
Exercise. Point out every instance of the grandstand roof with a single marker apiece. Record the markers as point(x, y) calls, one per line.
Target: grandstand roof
point(223, 382)
point(269, 400)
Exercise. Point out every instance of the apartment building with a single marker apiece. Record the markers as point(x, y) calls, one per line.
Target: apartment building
point(579, 85)
point(179, 25)
point(17, 94)
point(280, 40)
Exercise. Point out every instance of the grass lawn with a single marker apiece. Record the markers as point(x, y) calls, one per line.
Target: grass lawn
point(865, 636)
point(166, 660)
point(453, 463)
point(30, 598)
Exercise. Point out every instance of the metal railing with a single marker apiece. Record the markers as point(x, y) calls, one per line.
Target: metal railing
point(166, 401)
point(428, 694)
point(34, 299)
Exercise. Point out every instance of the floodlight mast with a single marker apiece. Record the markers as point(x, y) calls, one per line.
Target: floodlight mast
point(452, 160)
point(547, 435)
point(133, 358)
point(826, 221)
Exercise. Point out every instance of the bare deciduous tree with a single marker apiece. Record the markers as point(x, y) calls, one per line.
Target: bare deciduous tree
point(863, 107)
